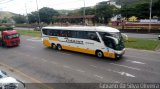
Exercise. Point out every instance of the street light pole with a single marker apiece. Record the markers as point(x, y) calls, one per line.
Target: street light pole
point(27, 15)
point(39, 21)
point(84, 12)
point(150, 16)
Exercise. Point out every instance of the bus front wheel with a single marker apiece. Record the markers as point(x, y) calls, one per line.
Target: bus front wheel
point(99, 54)
point(59, 47)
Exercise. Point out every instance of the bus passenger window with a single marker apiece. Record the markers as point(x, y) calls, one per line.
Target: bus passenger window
point(82, 34)
point(73, 34)
point(45, 31)
point(69, 34)
point(56, 33)
point(93, 36)
point(64, 33)
point(51, 32)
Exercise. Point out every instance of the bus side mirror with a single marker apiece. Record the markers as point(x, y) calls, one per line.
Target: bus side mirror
point(125, 37)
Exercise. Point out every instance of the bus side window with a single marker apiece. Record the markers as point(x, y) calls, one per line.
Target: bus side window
point(93, 36)
point(69, 34)
point(82, 34)
point(45, 31)
point(64, 33)
point(73, 34)
point(51, 32)
point(56, 33)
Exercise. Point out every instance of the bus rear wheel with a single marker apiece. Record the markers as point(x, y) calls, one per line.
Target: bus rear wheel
point(99, 54)
point(59, 47)
point(53, 46)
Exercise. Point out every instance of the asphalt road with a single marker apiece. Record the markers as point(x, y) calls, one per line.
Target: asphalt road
point(46, 65)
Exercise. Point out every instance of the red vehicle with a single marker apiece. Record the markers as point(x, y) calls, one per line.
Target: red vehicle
point(9, 38)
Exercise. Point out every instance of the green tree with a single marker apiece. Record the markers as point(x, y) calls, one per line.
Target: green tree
point(33, 17)
point(19, 19)
point(46, 14)
point(104, 12)
point(141, 9)
point(156, 9)
point(4, 20)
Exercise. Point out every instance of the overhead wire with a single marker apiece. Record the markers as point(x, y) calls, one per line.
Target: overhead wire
point(5, 1)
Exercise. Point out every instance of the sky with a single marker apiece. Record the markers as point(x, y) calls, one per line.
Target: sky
point(28, 6)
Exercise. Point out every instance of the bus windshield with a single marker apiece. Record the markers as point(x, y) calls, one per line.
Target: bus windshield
point(113, 40)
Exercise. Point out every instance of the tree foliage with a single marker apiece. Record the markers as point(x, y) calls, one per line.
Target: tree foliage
point(141, 10)
point(105, 11)
point(46, 15)
point(19, 19)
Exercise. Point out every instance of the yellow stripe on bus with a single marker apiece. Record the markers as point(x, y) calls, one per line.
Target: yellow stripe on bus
point(82, 50)
point(53, 38)
point(46, 43)
point(88, 51)
point(77, 49)
point(108, 54)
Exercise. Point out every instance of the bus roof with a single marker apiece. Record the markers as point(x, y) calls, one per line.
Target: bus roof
point(84, 28)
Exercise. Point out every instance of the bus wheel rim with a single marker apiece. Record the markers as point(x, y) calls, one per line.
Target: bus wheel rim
point(59, 48)
point(99, 54)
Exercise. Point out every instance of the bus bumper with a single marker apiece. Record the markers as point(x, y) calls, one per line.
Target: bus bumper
point(119, 53)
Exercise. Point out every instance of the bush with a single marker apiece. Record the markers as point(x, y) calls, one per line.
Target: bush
point(2, 28)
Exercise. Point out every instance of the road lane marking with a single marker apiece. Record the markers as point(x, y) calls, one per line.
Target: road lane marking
point(125, 66)
point(137, 62)
point(80, 71)
point(27, 55)
point(68, 67)
point(121, 73)
point(27, 76)
point(35, 57)
point(126, 74)
point(53, 62)
point(34, 40)
point(29, 46)
point(93, 66)
point(135, 57)
point(151, 59)
point(44, 60)
point(98, 76)
point(116, 82)
point(32, 47)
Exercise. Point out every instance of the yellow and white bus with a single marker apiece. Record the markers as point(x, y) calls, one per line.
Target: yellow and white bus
point(101, 41)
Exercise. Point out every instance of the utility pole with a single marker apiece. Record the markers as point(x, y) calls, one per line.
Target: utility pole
point(26, 14)
point(84, 12)
point(39, 20)
point(150, 16)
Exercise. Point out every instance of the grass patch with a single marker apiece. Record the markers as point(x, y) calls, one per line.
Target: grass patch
point(30, 33)
point(139, 43)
